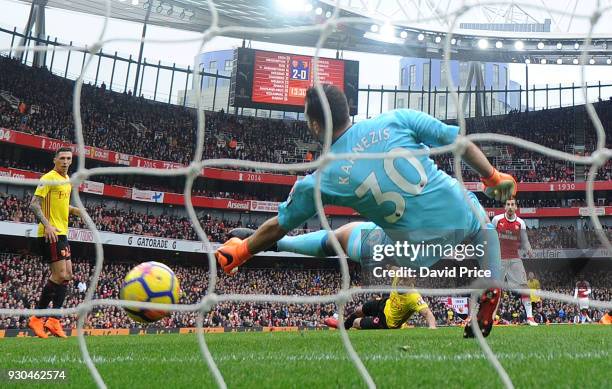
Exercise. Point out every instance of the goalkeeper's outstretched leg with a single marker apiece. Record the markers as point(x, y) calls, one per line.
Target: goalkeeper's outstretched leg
point(395, 309)
point(315, 244)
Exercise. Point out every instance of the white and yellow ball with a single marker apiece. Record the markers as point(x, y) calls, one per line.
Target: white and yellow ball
point(150, 282)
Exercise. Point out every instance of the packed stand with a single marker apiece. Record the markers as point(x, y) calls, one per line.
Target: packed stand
point(121, 122)
point(22, 276)
point(121, 221)
point(553, 237)
point(535, 202)
point(129, 221)
point(511, 309)
point(555, 128)
point(246, 193)
point(592, 237)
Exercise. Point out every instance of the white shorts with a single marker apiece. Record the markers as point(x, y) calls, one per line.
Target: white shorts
point(514, 273)
point(583, 303)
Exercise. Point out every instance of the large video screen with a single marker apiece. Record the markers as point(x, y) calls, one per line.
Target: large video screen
point(284, 78)
point(278, 81)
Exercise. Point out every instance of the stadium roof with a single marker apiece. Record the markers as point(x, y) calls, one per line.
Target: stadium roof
point(194, 15)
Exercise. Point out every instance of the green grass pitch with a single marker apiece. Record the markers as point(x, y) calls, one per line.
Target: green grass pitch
point(544, 356)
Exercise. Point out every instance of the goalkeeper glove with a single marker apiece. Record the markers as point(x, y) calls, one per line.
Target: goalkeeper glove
point(500, 186)
point(232, 254)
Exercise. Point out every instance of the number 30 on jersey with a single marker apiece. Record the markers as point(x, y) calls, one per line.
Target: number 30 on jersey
point(371, 184)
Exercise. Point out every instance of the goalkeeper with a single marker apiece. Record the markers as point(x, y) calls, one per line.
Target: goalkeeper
point(408, 197)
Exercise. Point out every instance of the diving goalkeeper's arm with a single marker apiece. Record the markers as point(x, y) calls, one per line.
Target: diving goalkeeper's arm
point(497, 185)
point(298, 208)
point(434, 133)
point(237, 251)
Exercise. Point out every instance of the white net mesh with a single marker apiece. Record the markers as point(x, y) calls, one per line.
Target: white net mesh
point(596, 160)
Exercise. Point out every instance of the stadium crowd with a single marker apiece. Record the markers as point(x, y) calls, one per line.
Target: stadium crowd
point(551, 311)
point(244, 192)
point(22, 275)
point(166, 132)
point(123, 221)
point(129, 221)
point(552, 237)
point(132, 125)
point(592, 237)
point(536, 203)
point(113, 121)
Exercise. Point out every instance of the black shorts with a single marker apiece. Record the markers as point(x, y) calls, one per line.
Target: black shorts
point(53, 252)
point(374, 314)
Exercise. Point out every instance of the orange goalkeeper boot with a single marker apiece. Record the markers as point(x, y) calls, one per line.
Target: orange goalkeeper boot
point(55, 327)
point(38, 326)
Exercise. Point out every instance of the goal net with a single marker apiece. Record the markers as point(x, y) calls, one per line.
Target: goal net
point(451, 16)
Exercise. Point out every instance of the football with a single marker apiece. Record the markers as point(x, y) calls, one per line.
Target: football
point(150, 282)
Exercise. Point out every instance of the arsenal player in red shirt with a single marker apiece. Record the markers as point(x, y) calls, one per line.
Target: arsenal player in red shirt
point(582, 292)
point(512, 233)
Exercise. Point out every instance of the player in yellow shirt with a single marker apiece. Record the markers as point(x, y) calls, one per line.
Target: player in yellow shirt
point(450, 316)
point(388, 312)
point(534, 284)
point(51, 205)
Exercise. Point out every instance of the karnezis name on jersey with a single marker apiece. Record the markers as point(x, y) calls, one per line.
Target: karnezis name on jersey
point(373, 138)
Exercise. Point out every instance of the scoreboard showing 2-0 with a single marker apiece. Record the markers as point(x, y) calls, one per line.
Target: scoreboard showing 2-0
point(284, 78)
point(270, 80)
